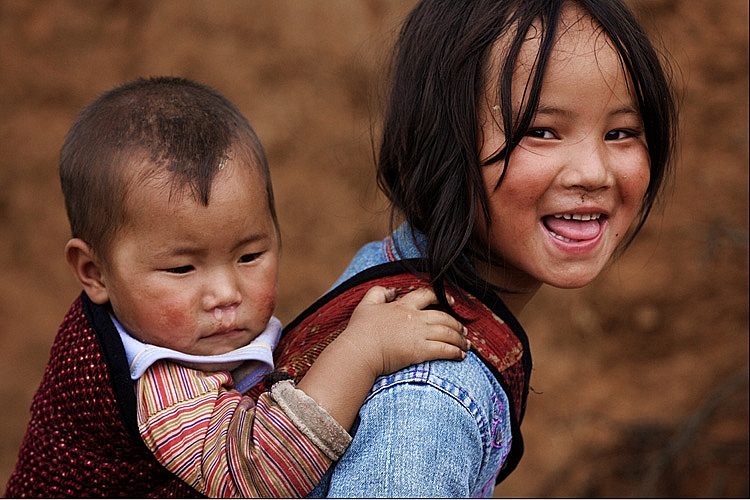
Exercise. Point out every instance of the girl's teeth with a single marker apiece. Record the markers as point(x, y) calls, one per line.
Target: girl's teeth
point(577, 216)
point(563, 238)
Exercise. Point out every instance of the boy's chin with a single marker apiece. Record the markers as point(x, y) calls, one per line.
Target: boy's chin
point(213, 367)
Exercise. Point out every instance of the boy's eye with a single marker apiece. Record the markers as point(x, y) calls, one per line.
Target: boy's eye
point(249, 257)
point(179, 270)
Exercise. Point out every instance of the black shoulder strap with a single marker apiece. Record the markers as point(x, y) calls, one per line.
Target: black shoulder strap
point(482, 293)
point(117, 363)
point(371, 273)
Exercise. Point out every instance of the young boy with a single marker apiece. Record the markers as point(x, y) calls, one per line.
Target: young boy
point(176, 245)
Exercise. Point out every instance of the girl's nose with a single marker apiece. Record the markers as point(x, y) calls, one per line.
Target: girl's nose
point(587, 167)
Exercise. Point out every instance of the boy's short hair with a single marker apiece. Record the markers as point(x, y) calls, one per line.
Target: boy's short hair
point(180, 128)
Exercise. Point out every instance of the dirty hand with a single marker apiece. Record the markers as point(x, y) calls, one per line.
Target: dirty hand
point(391, 333)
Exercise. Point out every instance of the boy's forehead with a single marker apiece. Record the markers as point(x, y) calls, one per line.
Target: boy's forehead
point(149, 175)
point(154, 187)
point(139, 166)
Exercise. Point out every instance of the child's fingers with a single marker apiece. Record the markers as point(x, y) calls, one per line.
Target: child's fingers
point(433, 317)
point(421, 298)
point(378, 295)
point(449, 336)
point(441, 350)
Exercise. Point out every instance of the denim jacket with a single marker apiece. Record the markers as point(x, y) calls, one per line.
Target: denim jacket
point(437, 429)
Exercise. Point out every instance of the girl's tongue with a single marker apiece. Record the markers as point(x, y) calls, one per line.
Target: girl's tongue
point(573, 229)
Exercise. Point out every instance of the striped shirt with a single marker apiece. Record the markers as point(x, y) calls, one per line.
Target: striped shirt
point(222, 443)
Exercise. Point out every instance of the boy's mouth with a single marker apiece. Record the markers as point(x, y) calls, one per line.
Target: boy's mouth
point(225, 331)
point(573, 228)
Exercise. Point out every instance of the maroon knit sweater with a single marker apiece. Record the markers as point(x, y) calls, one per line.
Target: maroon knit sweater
point(82, 439)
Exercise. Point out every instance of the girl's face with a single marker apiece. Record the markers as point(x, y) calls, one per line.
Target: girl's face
point(577, 179)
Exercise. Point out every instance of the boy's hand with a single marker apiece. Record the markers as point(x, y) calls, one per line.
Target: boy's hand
point(383, 336)
point(390, 334)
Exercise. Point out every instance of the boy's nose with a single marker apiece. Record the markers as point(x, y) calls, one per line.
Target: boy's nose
point(221, 292)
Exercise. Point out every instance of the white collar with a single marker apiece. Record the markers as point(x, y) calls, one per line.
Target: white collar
point(141, 356)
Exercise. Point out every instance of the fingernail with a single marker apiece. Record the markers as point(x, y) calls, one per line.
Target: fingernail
point(451, 300)
point(464, 331)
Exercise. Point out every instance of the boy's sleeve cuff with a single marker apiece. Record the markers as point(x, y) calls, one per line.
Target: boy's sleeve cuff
point(311, 419)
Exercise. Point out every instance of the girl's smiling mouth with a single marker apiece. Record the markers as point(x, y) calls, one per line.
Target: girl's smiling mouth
point(574, 228)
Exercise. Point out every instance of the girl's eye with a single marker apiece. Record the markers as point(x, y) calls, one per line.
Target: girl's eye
point(619, 134)
point(179, 270)
point(540, 133)
point(249, 257)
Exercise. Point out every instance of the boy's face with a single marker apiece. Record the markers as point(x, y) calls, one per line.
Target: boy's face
point(198, 279)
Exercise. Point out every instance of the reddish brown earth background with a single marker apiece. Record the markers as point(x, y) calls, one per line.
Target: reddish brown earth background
point(640, 379)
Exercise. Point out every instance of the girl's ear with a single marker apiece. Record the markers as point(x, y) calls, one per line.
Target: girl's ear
point(86, 268)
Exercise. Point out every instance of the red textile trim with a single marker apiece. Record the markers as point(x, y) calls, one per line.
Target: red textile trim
point(491, 338)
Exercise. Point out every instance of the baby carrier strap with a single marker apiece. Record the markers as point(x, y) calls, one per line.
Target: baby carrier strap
point(496, 336)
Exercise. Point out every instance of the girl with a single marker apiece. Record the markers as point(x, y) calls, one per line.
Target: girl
point(525, 142)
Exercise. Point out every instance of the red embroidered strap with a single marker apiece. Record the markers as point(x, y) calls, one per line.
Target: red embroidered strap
point(492, 339)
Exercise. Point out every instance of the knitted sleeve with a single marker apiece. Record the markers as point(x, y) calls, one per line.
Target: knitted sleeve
point(223, 444)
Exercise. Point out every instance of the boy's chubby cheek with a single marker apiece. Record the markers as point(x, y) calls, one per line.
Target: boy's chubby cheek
point(171, 317)
point(265, 304)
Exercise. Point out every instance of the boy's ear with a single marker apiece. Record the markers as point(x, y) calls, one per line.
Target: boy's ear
point(86, 268)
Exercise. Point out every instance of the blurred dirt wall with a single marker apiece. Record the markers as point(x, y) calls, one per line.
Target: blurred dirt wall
point(640, 379)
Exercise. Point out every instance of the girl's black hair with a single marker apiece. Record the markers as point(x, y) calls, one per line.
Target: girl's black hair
point(429, 165)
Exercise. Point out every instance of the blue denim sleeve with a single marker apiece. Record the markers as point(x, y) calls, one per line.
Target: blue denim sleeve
point(368, 256)
point(439, 429)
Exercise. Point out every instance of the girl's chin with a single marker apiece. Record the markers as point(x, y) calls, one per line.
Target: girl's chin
point(570, 285)
point(573, 280)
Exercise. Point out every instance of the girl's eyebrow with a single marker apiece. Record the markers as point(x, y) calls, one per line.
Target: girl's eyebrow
point(626, 110)
point(566, 113)
point(552, 110)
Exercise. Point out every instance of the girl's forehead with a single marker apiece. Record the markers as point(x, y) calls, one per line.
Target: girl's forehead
point(577, 34)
